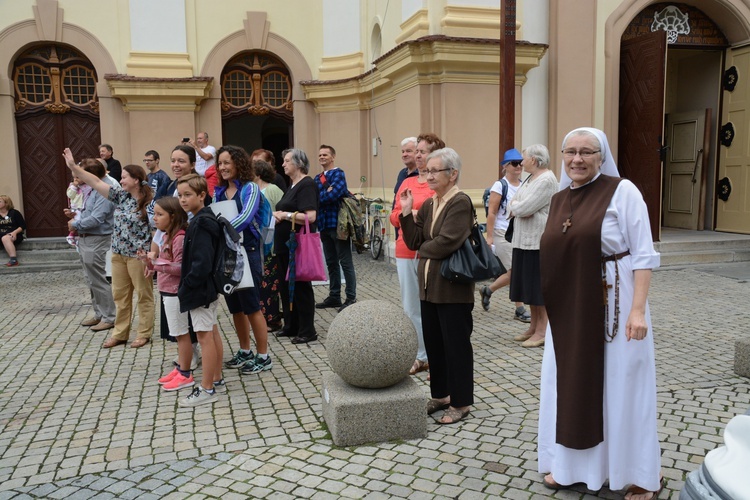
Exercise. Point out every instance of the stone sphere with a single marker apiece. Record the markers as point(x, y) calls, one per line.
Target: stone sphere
point(372, 344)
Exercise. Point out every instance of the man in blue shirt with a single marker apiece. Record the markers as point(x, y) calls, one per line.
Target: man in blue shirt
point(156, 176)
point(94, 228)
point(332, 188)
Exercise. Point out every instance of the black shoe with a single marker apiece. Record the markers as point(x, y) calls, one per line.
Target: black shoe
point(274, 325)
point(346, 304)
point(286, 332)
point(485, 293)
point(304, 340)
point(329, 302)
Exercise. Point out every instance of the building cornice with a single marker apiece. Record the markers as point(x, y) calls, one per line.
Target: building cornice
point(428, 60)
point(139, 93)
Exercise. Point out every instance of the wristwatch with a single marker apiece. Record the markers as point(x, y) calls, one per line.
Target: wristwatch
point(289, 215)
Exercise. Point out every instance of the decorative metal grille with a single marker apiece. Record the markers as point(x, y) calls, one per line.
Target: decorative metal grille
point(256, 83)
point(56, 78)
point(33, 83)
point(237, 88)
point(79, 85)
point(275, 89)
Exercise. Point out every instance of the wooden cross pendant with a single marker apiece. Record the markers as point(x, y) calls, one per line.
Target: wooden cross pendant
point(606, 288)
point(566, 225)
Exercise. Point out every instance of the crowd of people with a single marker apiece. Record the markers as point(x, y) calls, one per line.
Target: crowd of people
point(163, 227)
point(589, 230)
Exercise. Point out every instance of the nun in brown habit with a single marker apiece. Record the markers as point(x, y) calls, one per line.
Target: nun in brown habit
point(597, 415)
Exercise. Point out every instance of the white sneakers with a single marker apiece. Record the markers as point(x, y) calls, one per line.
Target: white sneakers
point(199, 396)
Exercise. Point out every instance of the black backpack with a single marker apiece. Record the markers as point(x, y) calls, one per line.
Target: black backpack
point(503, 197)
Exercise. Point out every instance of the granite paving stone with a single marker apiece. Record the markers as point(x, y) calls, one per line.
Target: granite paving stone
point(85, 422)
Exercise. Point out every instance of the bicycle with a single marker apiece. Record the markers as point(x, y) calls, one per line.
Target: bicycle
point(374, 221)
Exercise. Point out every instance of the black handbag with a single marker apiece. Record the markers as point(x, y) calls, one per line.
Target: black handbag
point(509, 231)
point(473, 261)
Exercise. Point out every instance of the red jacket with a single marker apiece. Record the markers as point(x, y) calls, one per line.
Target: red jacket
point(420, 192)
point(212, 179)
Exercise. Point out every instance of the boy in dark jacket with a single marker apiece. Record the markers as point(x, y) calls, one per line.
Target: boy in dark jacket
point(197, 293)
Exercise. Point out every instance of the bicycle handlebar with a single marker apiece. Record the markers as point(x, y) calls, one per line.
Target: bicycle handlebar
point(368, 200)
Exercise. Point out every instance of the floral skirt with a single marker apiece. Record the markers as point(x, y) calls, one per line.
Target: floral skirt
point(269, 290)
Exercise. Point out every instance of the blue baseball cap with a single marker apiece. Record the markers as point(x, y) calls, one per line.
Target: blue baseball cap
point(511, 155)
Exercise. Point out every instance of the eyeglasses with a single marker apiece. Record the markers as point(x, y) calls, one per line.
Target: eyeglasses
point(148, 161)
point(435, 172)
point(514, 163)
point(583, 153)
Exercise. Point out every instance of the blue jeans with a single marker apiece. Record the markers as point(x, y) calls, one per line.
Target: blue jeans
point(339, 252)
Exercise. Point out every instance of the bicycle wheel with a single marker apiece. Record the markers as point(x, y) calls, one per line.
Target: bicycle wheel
point(376, 240)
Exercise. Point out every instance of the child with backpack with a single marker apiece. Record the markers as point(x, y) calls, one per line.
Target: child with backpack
point(171, 220)
point(196, 295)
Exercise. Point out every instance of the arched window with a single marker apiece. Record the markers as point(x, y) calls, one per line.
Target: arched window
point(54, 78)
point(256, 83)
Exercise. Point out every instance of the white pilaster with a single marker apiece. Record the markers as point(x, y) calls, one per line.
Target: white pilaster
point(534, 18)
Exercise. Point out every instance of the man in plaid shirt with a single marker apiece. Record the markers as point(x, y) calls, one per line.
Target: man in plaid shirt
point(332, 188)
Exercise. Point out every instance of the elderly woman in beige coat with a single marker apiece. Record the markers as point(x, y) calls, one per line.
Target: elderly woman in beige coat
point(435, 231)
point(530, 207)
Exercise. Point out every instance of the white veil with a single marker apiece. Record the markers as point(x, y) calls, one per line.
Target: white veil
point(608, 162)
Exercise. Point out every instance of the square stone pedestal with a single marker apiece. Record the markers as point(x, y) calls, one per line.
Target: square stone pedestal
point(357, 416)
point(742, 357)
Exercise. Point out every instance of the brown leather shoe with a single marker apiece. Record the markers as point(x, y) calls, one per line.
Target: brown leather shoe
point(113, 342)
point(101, 326)
point(93, 320)
point(139, 342)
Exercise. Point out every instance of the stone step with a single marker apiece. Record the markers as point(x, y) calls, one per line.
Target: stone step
point(47, 256)
point(40, 267)
point(57, 243)
point(42, 255)
point(705, 256)
point(681, 247)
point(702, 245)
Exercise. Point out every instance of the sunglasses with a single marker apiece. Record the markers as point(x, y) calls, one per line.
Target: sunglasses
point(514, 163)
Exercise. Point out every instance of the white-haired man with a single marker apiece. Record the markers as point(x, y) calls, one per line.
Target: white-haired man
point(408, 154)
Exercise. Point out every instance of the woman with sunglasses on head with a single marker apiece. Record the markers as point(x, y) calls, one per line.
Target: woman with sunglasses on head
point(497, 223)
point(597, 407)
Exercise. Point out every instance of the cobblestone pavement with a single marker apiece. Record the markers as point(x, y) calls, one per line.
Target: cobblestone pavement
point(77, 421)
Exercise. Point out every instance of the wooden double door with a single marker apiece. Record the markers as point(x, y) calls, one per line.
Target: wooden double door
point(44, 176)
point(56, 107)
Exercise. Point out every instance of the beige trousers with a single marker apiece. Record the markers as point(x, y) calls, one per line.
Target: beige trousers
point(127, 277)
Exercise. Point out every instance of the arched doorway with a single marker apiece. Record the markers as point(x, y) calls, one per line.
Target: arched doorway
point(687, 80)
point(670, 74)
point(256, 103)
point(56, 107)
